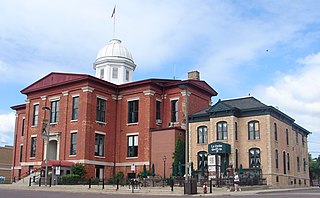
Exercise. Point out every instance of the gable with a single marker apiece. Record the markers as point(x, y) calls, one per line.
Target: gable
point(52, 80)
point(219, 106)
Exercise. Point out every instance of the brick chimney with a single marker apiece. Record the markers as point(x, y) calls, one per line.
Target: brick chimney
point(193, 75)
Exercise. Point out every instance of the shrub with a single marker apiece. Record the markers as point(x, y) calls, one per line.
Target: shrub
point(78, 169)
point(72, 179)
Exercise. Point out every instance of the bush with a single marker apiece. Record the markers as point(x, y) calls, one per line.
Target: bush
point(73, 179)
point(119, 176)
point(78, 169)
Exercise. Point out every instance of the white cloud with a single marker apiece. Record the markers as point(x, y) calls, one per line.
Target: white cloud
point(7, 121)
point(297, 94)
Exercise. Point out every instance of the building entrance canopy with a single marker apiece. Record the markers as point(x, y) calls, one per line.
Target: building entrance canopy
point(219, 148)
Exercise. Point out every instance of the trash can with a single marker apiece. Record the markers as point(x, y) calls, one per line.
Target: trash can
point(190, 187)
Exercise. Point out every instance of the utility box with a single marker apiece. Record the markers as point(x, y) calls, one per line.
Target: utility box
point(190, 187)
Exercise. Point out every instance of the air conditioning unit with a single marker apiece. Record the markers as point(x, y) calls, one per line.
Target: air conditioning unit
point(158, 121)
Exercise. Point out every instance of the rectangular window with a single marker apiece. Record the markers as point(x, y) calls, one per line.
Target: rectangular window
point(33, 146)
point(115, 72)
point(54, 117)
point(302, 140)
point(102, 73)
point(127, 75)
point(298, 164)
point(304, 165)
point(158, 110)
point(101, 110)
point(132, 146)
point(297, 139)
point(22, 127)
point(174, 110)
point(73, 144)
point(35, 115)
point(133, 111)
point(21, 149)
point(75, 107)
point(287, 136)
point(99, 145)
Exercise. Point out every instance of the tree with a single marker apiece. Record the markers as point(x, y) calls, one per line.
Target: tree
point(178, 155)
point(78, 169)
point(314, 167)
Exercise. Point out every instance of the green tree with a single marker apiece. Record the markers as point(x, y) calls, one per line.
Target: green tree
point(314, 167)
point(178, 156)
point(78, 169)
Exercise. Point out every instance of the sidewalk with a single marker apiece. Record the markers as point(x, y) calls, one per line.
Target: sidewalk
point(110, 189)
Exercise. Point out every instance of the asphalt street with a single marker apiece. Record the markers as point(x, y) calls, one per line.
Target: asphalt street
point(7, 193)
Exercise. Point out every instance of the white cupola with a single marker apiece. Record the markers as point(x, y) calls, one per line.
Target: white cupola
point(114, 63)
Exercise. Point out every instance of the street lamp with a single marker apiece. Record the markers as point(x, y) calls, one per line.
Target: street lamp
point(164, 168)
point(184, 87)
point(46, 135)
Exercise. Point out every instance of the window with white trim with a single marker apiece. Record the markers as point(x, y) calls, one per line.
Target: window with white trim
point(54, 116)
point(73, 143)
point(101, 110)
point(132, 146)
point(99, 145)
point(133, 111)
point(35, 116)
point(75, 107)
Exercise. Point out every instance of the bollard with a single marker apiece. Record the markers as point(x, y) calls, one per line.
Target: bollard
point(210, 183)
point(102, 183)
point(132, 186)
point(171, 184)
point(50, 181)
point(117, 184)
point(39, 181)
point(30, 181)
point(89, 183)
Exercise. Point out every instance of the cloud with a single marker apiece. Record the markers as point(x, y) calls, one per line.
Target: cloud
point(7, 121)
point(297, 94)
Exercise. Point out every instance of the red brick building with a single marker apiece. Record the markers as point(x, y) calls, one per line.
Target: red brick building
point(109, 127)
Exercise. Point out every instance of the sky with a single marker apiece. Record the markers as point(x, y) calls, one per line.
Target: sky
point(269, 49)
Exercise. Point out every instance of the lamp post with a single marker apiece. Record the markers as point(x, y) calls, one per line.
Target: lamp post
point(164, 168)
point(46, 135)
point(184, 87)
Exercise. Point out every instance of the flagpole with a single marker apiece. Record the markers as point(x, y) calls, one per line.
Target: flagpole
point(114, 25)
point(113, 15)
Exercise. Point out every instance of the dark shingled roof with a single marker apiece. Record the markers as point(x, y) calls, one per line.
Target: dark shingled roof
point(244, 103)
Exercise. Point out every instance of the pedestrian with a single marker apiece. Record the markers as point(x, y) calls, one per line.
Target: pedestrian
point(236, 181)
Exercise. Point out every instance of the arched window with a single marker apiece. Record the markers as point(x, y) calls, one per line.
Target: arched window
point(277, 159)
point(253, 130)
point(254, 158)
point(222, 131)
point(202, 160)
point(284, 163)
point(202, 135)
point(275, 132)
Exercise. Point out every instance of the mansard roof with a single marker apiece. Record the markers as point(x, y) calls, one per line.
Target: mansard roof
point(243, 107)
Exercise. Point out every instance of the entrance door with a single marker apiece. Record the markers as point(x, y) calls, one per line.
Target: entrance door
point(99, 172)
point(52, 150)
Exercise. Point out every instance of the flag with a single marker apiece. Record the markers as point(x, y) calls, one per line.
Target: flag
point(113, 12)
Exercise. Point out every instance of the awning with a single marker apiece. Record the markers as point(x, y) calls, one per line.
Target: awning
point(63, 163)
point(219, 148)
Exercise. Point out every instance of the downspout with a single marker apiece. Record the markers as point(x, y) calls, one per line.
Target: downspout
point(115, 135)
